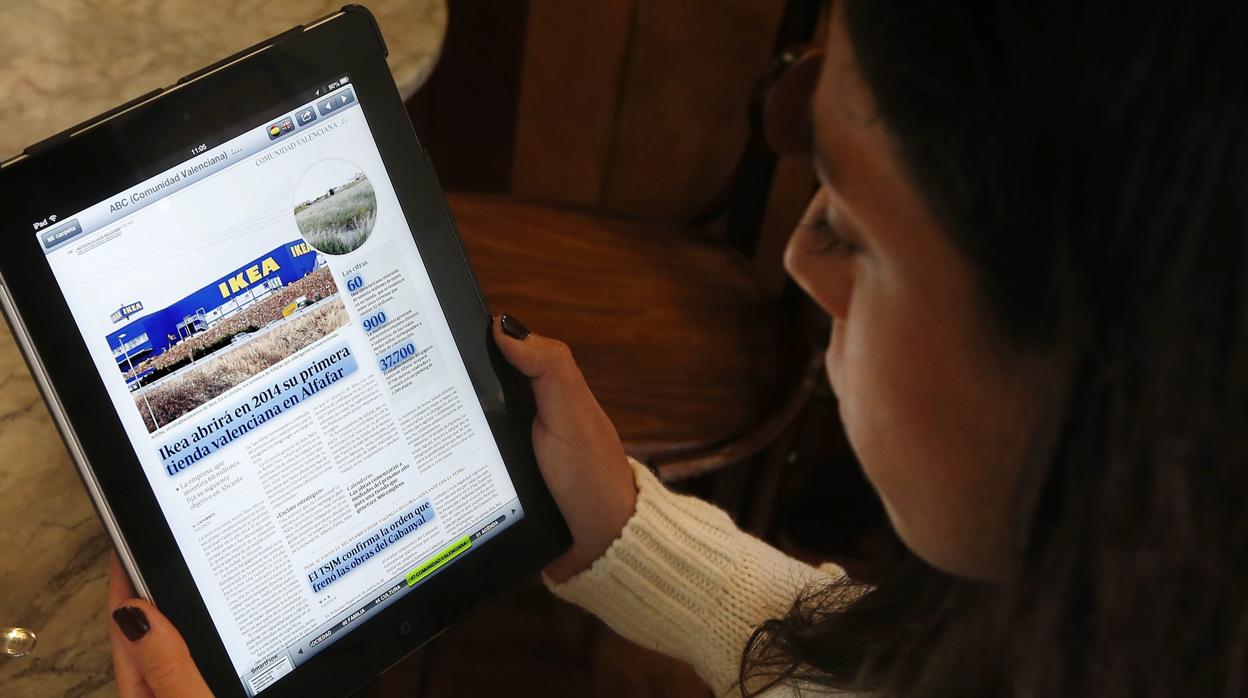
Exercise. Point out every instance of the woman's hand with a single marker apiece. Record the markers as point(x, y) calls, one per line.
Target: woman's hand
point(150, 658)
point(577, 447)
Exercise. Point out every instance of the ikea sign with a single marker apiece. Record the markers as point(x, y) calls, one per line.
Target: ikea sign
point(126, 311)
point(247, 276)
point(274, 269)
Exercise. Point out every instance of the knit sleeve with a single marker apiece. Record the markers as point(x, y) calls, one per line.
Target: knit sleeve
point(683, 580)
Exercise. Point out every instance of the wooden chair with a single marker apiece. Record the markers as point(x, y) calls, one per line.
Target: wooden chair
point(697, 366)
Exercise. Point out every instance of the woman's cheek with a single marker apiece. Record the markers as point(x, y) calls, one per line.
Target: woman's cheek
point(851, 374)
point(880, 365)
point(874, 368)
point(935, 435)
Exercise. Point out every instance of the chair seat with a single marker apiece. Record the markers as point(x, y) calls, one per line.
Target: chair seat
point(672, 333)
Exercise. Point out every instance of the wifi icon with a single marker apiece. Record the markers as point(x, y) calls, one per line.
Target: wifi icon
point(52, 218)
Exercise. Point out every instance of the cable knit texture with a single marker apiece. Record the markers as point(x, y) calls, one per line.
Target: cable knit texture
point(682, 579)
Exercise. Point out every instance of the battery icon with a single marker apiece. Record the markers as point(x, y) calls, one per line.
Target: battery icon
point(344, 80)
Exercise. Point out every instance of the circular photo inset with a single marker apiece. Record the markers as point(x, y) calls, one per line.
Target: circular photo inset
point(335, 206)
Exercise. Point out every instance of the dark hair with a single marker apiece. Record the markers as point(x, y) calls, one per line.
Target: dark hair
point(1091, 161)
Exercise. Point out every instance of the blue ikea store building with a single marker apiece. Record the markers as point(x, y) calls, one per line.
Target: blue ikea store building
point(157, 331)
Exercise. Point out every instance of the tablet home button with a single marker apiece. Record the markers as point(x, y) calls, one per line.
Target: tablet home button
point(405, 628)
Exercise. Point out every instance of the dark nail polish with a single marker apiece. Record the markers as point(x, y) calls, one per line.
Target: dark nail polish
point(513, 327)
point(132, 622)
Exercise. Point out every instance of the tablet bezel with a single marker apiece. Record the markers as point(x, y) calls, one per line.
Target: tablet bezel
point(91, 162)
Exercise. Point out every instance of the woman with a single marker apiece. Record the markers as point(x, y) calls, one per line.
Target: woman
point(1030, 238)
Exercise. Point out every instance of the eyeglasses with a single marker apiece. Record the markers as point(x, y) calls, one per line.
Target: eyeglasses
point(782, 100)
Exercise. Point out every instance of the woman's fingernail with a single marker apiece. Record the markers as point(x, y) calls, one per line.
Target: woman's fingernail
point(513, 327)
point(132, 622)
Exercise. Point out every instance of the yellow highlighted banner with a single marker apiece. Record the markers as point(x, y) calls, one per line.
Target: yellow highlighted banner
point(446, 555)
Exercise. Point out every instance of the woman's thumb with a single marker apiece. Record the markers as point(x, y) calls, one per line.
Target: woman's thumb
point(558, 386)
point(532, 355)
point(159, 651)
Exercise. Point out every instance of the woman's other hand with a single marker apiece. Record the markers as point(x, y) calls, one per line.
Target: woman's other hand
point(149, 656)
point(577, 447)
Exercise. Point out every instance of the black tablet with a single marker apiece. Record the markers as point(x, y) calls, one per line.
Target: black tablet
point(253, 321)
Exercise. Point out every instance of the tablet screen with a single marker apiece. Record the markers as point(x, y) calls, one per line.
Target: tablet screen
point(272, 343)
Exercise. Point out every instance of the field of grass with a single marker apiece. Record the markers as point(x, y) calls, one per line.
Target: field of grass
point(340, 223)
point(197, 384)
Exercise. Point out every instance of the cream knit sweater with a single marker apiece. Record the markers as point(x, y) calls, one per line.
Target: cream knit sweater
point(683, 580)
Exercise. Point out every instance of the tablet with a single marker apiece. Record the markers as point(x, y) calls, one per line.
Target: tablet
point(252, 319)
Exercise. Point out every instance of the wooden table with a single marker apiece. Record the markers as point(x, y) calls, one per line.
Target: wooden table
point(63, 61)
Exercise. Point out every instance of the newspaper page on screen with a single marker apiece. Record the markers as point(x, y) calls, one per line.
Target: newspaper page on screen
point(271, 341)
